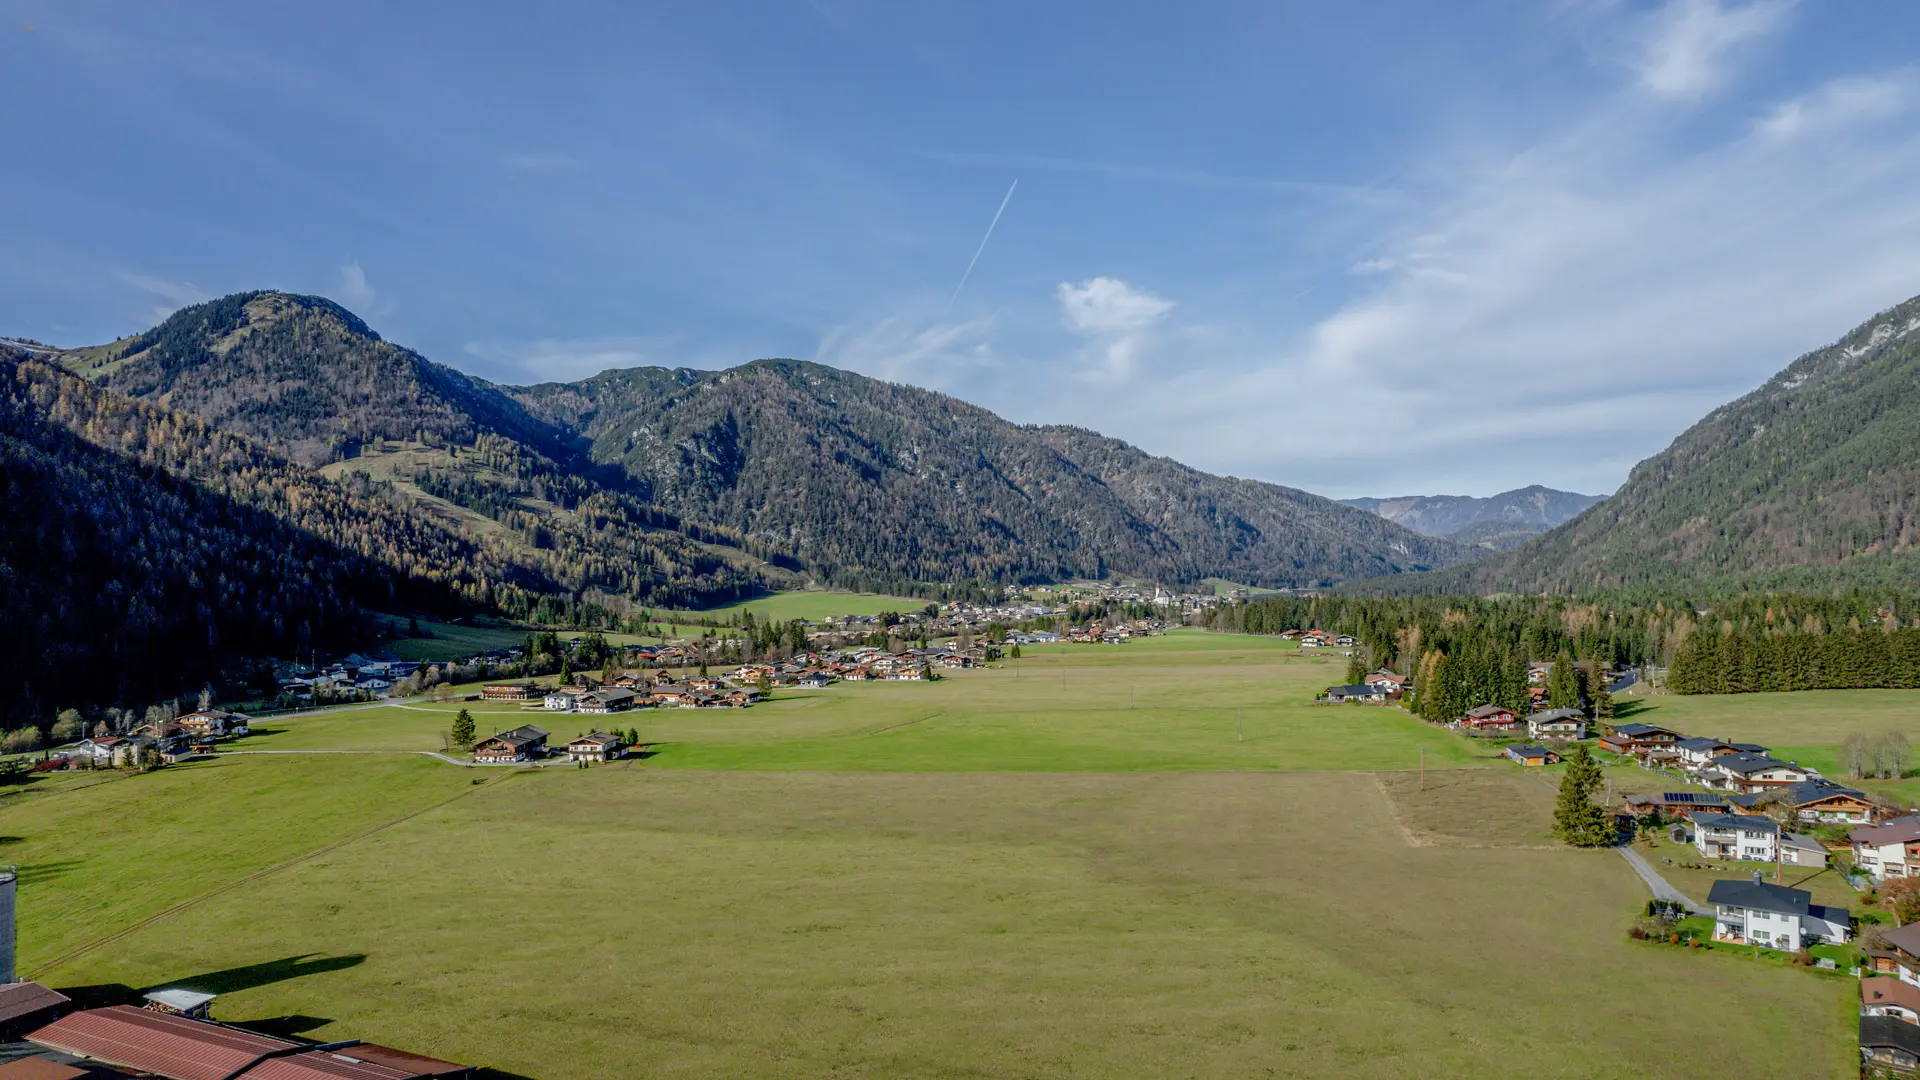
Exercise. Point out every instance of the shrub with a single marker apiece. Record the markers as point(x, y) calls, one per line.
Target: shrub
point(1637, 933)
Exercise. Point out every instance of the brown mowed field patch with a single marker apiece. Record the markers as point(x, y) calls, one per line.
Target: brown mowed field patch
point(1499, 807)
point(990, 925)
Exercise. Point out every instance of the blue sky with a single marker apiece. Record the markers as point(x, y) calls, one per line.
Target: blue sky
point(1360, 248)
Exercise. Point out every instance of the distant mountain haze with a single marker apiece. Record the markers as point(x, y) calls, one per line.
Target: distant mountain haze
point(1812, 480)
point(1524, 509)
point(771, 466)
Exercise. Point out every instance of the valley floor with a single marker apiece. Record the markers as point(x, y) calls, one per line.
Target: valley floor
point(1078, 870)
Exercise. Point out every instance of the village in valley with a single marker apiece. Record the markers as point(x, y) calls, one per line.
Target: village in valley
point(1741, 850)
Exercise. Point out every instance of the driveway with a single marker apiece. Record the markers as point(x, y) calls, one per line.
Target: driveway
point(1661, 889)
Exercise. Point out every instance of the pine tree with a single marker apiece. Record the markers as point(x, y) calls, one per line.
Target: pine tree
point(1356, 669)
point(1563, 684)
point(1577, 819)
point(1599, 697)
point(463, 731)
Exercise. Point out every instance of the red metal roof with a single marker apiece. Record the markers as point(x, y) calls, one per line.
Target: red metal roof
point(322, 1065)
point(170, 1046)
point(408, 1063)
point(39, 1069)
point(26, 998)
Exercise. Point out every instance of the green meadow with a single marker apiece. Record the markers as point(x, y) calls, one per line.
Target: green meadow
point(1149, 860)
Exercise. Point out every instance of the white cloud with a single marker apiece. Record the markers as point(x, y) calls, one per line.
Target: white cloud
point(1116, 318)
point(352, 289)
point(1686, 46)
point(1841, 103)
point(1569, 309)
point(174, 295)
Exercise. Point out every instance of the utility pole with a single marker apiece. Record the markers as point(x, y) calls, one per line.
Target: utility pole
point(1423, 768)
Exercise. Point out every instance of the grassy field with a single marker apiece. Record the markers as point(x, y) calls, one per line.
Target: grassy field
point(1185, 701)
point(809, 604)
point(1075, 866)
point(450, 641)
point(821, 924)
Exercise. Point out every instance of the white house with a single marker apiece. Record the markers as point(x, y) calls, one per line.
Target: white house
point(1557, 724)
point(1746, 772)
point(1773, 916)
point(559, 702)
point(1753, 837)
point(1888, 851)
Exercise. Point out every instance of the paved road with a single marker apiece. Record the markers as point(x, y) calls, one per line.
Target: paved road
point(1661, 889)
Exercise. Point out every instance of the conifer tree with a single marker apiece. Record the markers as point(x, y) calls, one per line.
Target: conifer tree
point(1599, 697)
point(1563, 683)
point(463, 731)
point(1356, 669)
point(1577, 819)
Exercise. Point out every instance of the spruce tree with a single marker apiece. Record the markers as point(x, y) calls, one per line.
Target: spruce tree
point(1563, 684)
point(1356, 669)
point(1599, 697)
point(1577, 819)
point(463, 730)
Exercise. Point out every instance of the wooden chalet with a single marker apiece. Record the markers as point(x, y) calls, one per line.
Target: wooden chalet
point(1490, 718)
point(1818, 800)
point(212, 723)
point(521, 744)
point(509, 691)
point(1674, 805)
point(598, 746)
point(1633, 740)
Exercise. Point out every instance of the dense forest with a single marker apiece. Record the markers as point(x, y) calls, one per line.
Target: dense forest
point(311, 382)
point(1810, 482)
point(145, 552)
point(873, 483)
point(1467, 651)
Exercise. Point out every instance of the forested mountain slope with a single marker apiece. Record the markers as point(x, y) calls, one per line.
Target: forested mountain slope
point(310, 381)
point(713, 484)
point(1814, 479)
point(864, 477)
point(143, 551)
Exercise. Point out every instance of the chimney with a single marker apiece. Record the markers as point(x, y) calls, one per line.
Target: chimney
point(9, 877)
point(1756, 877)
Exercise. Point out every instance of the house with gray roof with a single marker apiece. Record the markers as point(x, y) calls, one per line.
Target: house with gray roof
point(1752, 837)
point(1772, 916)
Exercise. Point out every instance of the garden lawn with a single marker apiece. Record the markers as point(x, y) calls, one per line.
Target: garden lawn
point(811, 924)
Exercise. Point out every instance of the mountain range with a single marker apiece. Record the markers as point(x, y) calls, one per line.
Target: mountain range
point(1810, 481)
point(778, 466)
point(1500, 521)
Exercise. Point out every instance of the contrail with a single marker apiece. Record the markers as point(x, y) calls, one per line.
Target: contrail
point(983, 243)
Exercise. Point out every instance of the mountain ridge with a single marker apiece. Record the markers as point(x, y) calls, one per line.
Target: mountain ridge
point(1533, 508)
point(788, 462)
